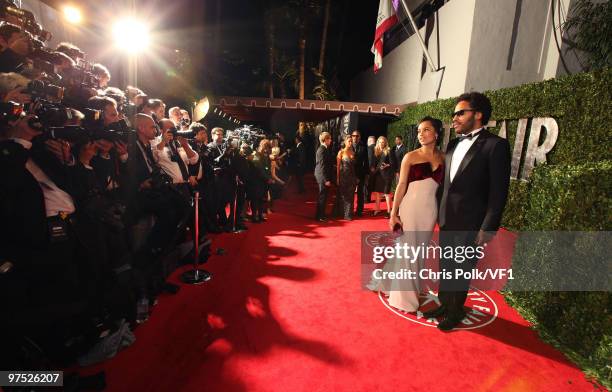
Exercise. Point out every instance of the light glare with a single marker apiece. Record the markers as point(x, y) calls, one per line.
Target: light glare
point(72, 14)
point(131, 35)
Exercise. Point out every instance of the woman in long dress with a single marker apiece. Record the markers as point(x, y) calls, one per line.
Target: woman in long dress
point(346, 180)
point(384, 173)
point(415, 210)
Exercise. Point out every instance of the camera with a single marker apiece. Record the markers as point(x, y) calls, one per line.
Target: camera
point(26, 19)
point(160, 178)
point(10, 111)
point(115, 132)
point(184, 122)
point(38, 89)
point(52, 114)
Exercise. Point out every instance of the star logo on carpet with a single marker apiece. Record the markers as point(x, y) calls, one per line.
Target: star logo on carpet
point(480, 308)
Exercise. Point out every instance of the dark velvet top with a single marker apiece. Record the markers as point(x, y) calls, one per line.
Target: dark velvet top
point(423, 170)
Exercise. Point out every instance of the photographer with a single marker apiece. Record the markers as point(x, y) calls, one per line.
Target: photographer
point(225, 177)
point(15, 46)
point(155, 108)
point(102, 75)
point(176, 115)
point(70, 50)
point(261, 161)
point(13, 88)
point(203, 171)
point(174, 154)
point(112, 155)
point(38, 242)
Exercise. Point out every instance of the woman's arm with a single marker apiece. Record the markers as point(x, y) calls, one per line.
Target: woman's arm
point(273, 171)
point(400, 190)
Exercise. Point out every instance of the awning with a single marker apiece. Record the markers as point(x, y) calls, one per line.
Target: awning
point(257, 109)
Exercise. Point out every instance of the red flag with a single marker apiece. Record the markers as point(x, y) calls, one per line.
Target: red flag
point(386, 19)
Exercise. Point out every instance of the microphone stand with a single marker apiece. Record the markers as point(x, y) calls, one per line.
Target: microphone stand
point(196, 276)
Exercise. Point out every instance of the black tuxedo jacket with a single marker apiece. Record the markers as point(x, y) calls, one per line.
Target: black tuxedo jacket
point(371, 157)
point(397, 154)
point(361, 160)
point(136, 171)
point(476, 198)
point(324, 167)
point(24, 231)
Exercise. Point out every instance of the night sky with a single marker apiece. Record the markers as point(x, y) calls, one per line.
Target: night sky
point(188, 62)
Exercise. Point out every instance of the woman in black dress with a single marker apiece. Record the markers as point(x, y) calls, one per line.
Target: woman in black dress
point(383, 176)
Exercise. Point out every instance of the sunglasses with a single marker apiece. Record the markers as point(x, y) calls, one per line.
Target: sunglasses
point(461, 112)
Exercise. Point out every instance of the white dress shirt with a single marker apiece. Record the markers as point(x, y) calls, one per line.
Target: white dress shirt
point(163, 158)
point(56, 200)
point(460, 150)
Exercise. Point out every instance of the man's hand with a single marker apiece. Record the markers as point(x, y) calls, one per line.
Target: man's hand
point(327, 183)
point(193, 181)
point(104, 146)
point(182, 141)
point(167, 136)
point(59, 148)
point(121, 148)
point(483, 237)
point(146, 184)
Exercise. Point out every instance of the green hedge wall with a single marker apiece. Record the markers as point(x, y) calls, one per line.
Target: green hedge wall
point(568, 198)
point(571, 192)
point(581, 104)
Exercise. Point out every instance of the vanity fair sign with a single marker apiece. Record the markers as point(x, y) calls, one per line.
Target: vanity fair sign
point(536, 151)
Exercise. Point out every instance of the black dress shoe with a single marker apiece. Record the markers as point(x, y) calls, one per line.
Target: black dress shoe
point(450, 322)
point(322, 219)
point(440, 311)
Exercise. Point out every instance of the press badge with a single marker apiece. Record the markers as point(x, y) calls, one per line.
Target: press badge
point(58, 230)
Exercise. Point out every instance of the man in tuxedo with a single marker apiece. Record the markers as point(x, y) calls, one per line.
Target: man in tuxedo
point(397, 154)
point(324, 168)
point(471, 200)
point(38, 242)
point(361, 169)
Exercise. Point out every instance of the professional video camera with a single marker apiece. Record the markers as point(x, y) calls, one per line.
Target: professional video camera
point(78, 134)
point(25, 19)
point(52, 117)
point(38, 89)
point(246, 134)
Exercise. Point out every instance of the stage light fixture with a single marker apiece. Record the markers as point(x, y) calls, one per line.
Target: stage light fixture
point(72, 14)
point(131, 35)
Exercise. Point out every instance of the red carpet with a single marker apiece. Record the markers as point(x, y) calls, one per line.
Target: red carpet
point(285, 312)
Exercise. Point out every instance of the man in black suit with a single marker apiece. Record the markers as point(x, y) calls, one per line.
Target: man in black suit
point(324, 168)
point(146, 196)
point(361, 170)
point(397, 154)
point(38, 245)
point(471, 200)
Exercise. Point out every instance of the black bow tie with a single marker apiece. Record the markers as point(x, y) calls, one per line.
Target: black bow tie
point(469, 136)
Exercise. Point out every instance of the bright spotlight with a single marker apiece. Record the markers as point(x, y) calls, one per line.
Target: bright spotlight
point(72, 14)
point(131, 35)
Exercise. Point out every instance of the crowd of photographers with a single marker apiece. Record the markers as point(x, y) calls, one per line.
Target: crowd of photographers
point(97, 187)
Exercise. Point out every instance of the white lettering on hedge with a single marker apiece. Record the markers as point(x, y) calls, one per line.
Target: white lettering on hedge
point(535, 153)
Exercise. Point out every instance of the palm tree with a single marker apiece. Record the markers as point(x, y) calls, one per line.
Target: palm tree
point(324, 36)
